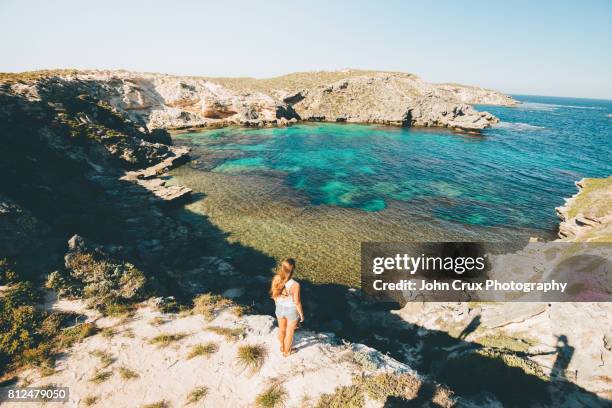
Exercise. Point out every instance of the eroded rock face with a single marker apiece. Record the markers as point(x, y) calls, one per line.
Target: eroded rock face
point(587, 216)
point(172, 102)
point(390, 99)
point(476, 95)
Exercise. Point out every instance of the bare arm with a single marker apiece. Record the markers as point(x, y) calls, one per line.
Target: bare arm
point(297, 300)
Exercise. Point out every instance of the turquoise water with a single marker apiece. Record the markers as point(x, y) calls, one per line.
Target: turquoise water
point(513, 175)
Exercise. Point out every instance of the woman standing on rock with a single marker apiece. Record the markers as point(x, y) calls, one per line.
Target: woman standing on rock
point(286, 294)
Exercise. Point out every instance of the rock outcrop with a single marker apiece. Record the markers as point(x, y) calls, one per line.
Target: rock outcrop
point(158, 101)
point(587, 216)
point(390, 99)
point(476, 95)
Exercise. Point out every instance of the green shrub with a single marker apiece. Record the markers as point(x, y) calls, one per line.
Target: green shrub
point(75, 334)
point(53, 323)
point(350, 396)
point(106, 283)
point(29, 336)
point(40, 356)
point(118, 309)
point(381, 386)
point(63, 285)
point(20, 322)
point(7, 274)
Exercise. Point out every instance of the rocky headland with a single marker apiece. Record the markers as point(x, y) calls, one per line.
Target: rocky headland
point(85, 156)
point(175, 102)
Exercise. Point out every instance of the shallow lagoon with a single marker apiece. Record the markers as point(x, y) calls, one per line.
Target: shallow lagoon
point(315, 191)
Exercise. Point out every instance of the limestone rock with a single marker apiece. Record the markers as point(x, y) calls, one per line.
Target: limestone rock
point(158, 101)
point(587, 216)
point(477, 95)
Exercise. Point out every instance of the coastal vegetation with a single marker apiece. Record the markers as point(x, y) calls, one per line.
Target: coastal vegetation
point(100, 377)
point(159, 404)
point(229, 333)
point(274, 396)
point(30, 336)
point(127, 374)
point(251, 356)
point(196, 395)
point(105, 358)
point(204, 350)
point(166, 339)
point(208, 305)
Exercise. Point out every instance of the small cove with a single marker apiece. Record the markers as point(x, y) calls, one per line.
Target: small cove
point(316, 191)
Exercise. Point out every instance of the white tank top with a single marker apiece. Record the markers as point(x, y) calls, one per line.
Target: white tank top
point(283, 300)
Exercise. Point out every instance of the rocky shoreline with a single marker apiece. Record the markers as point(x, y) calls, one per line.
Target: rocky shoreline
point(95, 157)
point(587, 215)
point(174, 102)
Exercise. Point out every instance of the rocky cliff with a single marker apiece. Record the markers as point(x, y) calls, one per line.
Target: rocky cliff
point(587, 216)
point(476, 95)
point(174, 102)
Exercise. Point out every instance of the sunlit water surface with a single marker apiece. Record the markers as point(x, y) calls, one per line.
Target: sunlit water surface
point(315, 191)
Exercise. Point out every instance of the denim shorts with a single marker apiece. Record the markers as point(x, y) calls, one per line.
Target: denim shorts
point(290, 312)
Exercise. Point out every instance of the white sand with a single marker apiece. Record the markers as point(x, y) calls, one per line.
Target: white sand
point(166, 373)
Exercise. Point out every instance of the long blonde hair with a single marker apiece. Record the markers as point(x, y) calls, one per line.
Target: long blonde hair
point(284, 272)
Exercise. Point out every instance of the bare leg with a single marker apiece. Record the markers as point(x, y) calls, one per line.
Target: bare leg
point(282, 329)
point(291, 325)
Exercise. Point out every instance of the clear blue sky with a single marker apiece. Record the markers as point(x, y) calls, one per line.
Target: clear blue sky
point(536, 47)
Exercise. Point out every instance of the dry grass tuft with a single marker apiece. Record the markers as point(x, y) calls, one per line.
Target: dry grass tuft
point(165, 339)
point(231, 334)
point(251, 356)
point(105, 358)
point(129, 333)
point(100, 377)
point(108, 332)
point(208, 305)
point(196, 395)
point(159, 404)
point(444, 397)
point(205, 350)
point(274, 396)
point(127, 374)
